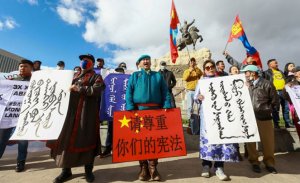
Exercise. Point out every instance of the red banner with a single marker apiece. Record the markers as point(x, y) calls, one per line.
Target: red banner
point(147, 134)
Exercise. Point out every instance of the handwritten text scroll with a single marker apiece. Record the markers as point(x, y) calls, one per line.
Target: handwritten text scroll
point(228, 111)
point(45, 106)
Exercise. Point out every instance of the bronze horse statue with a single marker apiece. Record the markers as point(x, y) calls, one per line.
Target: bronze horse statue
point(190, 38)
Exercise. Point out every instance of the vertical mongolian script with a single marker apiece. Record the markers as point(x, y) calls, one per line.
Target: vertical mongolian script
point(216, 109)
point(42, 102)
point(237, 86)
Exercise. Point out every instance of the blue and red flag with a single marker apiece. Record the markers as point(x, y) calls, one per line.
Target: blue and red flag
point(173, 33)
point(237, 32)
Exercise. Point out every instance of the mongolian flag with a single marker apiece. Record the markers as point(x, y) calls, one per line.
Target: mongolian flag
point(237, 32)
point(173, 33)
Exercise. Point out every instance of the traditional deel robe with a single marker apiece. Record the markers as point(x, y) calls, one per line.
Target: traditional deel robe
point(213, 152)
point(79, 142)
point(147, 87)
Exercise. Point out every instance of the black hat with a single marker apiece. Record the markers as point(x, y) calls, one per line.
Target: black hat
point(25, 61)
point(122, 64)
point(163, 63)
point(87, 56)
point(120, 69)
point(100, 60)
point(37, 61)
point(60, 63)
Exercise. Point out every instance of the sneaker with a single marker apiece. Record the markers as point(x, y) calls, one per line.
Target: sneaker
point(205, 172)
point(271, 169)
point(221, 175)
point(20, 166)
point(256, 169)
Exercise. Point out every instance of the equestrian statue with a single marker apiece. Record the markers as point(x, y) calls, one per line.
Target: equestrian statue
point(188, 36)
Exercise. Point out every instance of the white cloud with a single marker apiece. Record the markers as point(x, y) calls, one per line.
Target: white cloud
point(73, 11)
point(70, 15)
point(8, 23)
point(33, 2)
point(142, 26)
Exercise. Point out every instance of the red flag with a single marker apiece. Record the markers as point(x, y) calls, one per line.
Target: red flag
point(237, 29)
point(237, 32)
point(173, 33)
point(174, 17)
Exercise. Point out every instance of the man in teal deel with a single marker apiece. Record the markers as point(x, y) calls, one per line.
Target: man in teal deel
point(147, 90)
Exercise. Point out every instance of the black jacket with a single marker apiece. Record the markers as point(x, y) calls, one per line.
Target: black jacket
point(268, 75)
point(169, 78)
point(264, 99)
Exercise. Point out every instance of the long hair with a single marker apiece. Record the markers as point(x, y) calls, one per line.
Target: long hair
point(286, 72)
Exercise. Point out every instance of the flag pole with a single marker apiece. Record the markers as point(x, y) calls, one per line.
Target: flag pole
point(225, 47)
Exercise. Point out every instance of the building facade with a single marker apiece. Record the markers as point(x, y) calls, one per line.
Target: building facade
point(9, 61)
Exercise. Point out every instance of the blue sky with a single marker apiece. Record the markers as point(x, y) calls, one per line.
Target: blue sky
point(40, 34)
point(121, 31)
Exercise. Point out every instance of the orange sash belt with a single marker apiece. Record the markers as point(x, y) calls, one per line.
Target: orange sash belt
point(149, 105)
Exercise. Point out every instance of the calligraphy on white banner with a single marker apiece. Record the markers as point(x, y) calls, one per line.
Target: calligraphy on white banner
point(228, 111)
point(11, 96)
point(45, 106)
point(294, 93)
point(10, 75)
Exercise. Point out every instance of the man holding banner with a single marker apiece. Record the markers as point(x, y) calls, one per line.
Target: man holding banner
point(79, 142)
point(264, 100)
point(25, 69)
point(147, 90)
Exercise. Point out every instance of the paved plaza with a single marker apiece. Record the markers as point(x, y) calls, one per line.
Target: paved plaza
point(40, 168)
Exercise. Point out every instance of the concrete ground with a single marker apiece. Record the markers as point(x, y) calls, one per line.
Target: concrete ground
point(40, 168)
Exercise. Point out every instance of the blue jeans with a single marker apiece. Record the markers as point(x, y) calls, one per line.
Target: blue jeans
point(285, 111)
point(5, 134)
point(109, 136)
point(189, 103)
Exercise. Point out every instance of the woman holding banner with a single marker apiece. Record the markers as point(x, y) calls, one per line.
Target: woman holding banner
point(219, 153)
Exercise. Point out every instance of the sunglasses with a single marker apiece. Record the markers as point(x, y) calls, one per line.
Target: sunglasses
point(209, 67)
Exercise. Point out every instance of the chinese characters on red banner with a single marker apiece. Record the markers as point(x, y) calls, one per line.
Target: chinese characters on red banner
point(147, 134)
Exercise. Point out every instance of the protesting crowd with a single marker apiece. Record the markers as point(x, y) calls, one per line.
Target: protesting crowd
point(228, 109)
point(79, 142)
